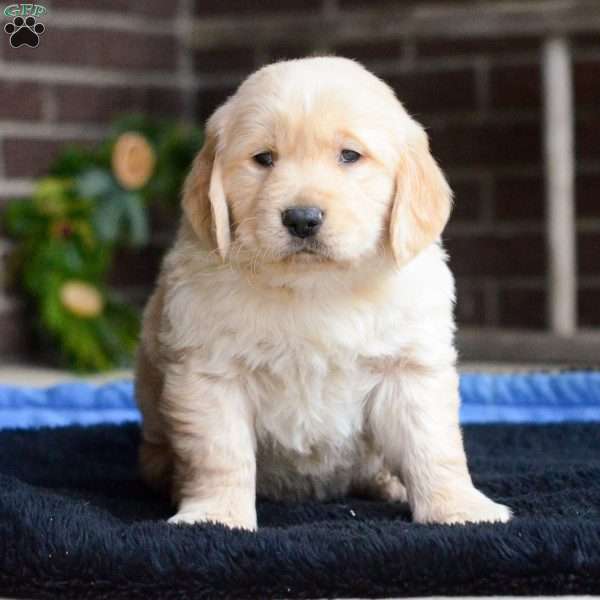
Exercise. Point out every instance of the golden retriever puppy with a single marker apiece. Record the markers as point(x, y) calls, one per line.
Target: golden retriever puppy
point(300, 340)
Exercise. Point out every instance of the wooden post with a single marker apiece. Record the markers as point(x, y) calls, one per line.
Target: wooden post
point(560, 185)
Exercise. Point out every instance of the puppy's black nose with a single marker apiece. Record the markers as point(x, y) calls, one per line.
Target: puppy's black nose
point(302, 221)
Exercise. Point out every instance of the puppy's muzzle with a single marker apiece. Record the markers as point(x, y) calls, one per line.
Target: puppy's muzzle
point(302, 221)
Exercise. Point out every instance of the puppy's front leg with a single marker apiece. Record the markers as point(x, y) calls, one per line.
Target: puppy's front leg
point(414, 418)
point(210, 429)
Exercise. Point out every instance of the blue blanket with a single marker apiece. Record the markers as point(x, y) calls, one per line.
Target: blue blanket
point(486, 398)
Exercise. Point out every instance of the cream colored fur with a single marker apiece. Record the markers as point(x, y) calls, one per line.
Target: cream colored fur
point(267, 369)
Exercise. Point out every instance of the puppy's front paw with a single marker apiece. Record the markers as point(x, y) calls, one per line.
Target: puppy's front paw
point(210, 512)
point(469, 507)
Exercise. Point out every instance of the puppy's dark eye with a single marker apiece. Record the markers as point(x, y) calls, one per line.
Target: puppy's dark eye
point(264, 159)
point(349, 156)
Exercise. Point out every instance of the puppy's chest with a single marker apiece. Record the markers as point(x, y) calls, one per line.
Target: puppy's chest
point(306, 399)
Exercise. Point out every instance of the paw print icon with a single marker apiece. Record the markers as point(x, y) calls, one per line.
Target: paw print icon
point(24, 32)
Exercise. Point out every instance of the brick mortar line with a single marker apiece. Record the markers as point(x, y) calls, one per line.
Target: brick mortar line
point(496, 60)
point(585, 225)
point(93, 76)
point(588, 282)
point(586, 111)
point(478, 282)
point(532, 282)
point(209, 81)
point(588, 225)
point(62, 131)
point(584, 283)
point(525, 172)
point(498, 171)
point(588, 167)
point(585, 53)
point(100, 20)
point(412, 63)
point(15, 187)
point(458, 175)
point(353, 24)
point(468, 229)
point(476, 117)
point(448, 63)
point(522, 283)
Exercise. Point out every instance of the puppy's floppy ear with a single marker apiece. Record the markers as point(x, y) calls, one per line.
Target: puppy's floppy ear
point(422, 201)
point(204, 202)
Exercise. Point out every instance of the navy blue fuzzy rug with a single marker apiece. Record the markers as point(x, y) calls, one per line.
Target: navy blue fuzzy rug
point(76, 522)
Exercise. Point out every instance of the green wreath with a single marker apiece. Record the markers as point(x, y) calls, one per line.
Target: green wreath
point(91, 203)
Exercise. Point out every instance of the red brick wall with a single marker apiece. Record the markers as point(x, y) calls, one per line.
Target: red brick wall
point(479, 98)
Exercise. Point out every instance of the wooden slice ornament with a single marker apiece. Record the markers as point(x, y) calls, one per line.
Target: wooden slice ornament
point(133, 160)
point(81, 298)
